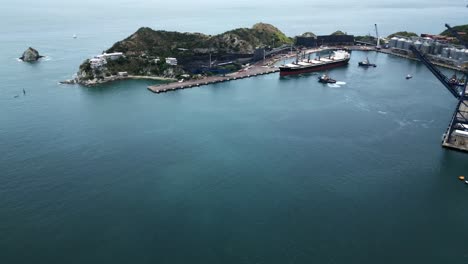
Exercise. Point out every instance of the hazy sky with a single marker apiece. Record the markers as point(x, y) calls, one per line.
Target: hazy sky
point(214, 16)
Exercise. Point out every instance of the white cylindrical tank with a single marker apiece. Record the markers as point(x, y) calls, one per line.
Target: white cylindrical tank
point(401, 43)
point(465, 57)
point(453, 52)
point(393, 42)
point(425, 48)
point(436, 48)
point(418, 44)
point(407, 44)
point(459, 54)
point(445, 52)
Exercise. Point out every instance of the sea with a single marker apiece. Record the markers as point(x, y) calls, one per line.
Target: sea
point(260, 170)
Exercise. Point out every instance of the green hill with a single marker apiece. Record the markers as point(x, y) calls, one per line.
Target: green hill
point(192, 50)
point(164, 43)
point(403, 34)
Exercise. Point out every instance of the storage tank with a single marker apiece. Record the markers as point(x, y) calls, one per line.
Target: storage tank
point(418, 44)
point(401, 43)
point(436, 48)
point(393, 42)
point(428, 40)
point(445, 52)
point(459, 53)
point(462, 57)
point(425, 48)
point(452, 52)
point(465, 58)
point(407, 44)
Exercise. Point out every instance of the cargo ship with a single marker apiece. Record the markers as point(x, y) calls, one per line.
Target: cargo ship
point(337, 59)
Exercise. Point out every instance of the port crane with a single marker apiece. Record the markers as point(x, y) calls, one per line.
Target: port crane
point(460, 117)
point(378, 38)
point(455, 33)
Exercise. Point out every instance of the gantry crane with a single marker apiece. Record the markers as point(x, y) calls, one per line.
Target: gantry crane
point(460, 117)
point(455, 33)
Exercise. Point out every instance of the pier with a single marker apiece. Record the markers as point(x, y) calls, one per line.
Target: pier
point(253, 71)
point(454, 138)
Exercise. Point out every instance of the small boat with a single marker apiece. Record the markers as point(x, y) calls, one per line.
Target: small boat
point(326, 79)
point(366, 63)
point(454, 81)
point(409, 76)
point(74, 36)
point(181, 80)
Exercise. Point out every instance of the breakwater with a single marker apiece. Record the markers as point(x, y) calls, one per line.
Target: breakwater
point(245, 73)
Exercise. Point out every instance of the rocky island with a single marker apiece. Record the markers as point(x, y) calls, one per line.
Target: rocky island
point(30, 55)
point(175, 55)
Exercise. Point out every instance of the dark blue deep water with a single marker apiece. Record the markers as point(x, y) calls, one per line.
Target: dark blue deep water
point(260, 170)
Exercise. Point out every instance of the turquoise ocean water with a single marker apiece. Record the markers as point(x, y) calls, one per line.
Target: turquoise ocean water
point(260, 170)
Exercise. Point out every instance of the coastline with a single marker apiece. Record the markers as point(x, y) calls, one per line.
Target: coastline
point(268, 62)
point(110, 79)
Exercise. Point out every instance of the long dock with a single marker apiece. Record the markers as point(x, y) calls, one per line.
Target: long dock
point(246, 73)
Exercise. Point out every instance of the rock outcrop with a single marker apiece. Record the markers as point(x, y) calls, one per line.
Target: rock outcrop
point(30, 55)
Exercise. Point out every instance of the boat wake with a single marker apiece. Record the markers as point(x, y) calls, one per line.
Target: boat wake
point(336, 85)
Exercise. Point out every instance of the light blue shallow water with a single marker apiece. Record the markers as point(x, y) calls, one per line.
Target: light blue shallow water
point(260, 170)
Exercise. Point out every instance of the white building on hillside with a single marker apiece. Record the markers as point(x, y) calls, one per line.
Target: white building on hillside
point(171, 61)
point(97, 62)
point(112, 56)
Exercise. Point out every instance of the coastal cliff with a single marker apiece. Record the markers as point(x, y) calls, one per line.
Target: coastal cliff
point(149, 52)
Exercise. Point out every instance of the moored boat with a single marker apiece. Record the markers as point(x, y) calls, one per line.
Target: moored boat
point(339, 58)
point(366, 63)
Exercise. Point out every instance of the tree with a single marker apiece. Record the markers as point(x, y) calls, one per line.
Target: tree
point(403, 34)
point(338, 32)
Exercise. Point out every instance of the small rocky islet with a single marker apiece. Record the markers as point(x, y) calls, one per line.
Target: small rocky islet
point(30, 55)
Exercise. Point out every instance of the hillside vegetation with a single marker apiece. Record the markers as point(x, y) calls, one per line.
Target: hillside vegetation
point(192, 50)
point(164, 43)
point(403, 34)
